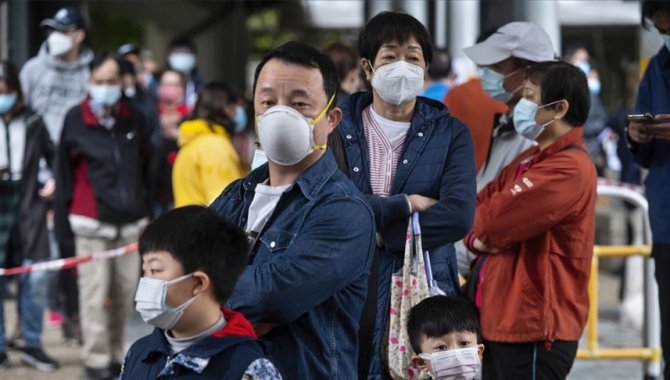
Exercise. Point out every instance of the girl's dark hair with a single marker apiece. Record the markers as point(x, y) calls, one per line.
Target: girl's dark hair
point(10, 76)
point(393, 26)
point(103, 57)
point(560, 80)
point(438, 316)
point(212, 99)
point(649, 7)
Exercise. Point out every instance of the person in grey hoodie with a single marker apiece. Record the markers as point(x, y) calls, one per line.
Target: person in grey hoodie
point(56, 79)
point(53, 82)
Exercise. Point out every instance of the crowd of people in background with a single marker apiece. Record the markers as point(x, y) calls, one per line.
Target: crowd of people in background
point(277, 262)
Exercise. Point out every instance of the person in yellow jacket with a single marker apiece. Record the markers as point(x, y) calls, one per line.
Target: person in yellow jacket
point(207, 161)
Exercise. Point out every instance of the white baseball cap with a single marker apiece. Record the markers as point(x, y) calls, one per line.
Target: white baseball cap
point(523, 40)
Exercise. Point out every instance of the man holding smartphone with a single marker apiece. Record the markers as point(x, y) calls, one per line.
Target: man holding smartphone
point(649, 140)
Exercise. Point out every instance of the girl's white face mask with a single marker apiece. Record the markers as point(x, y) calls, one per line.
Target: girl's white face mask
point(150, 302)
point(458, 364)
point(398, 82)
point(286, 136)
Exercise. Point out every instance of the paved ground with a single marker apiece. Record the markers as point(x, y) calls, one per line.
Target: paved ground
point(612, 334)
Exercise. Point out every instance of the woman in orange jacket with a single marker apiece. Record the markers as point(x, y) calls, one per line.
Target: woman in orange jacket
point(534, 226)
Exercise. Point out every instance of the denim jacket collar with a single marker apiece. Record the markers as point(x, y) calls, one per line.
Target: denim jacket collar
point(309, 182)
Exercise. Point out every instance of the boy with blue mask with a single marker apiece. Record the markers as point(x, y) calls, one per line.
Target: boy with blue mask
point(191, 260)
point(444, 334)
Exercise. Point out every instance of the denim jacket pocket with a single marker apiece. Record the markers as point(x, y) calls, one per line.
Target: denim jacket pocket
point(276, 240)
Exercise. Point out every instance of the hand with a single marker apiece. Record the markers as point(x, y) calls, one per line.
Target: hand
point(481, 247)
point(419, 203)
point(637, 132)
point(47, 191)
point(661, 131)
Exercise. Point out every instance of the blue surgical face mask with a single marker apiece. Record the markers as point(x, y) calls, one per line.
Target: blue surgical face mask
point(492, 82)
point(524, 119)
point(104, 95)
point(594, 86)
point(240, 119)
point(182, 62)
point(584, 66)
point(7, 102)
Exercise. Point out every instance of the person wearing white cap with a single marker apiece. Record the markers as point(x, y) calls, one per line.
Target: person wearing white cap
point(504, 58)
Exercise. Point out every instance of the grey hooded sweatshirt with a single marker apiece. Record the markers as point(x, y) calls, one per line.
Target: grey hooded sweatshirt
point(51, 87)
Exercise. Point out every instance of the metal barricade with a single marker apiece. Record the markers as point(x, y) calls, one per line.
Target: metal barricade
point(650, 353)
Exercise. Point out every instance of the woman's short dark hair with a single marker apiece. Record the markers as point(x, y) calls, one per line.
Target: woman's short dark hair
point(10, 76)
point(393, 26)
point(560, 80)
point(649, 7)
point(212, 98)
point(103, 57)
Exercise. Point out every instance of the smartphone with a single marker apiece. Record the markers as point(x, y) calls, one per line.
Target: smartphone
point(647, 119)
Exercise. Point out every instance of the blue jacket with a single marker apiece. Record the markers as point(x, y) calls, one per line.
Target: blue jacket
point(654, 97)
point(308, 270)
point(228, 354)
point(437, 162)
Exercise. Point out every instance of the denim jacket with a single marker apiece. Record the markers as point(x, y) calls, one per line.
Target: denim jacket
point(438, 162)
point(308, 269)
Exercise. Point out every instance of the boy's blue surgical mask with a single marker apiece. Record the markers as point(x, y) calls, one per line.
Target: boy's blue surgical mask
point(7, 102)
point(460, 363)
point(492, 82)
point(150, 302)
point(524, 119)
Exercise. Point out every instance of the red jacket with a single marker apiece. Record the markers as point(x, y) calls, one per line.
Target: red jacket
point(541, 213)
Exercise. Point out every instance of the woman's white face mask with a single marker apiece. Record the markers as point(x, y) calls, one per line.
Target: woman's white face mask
point(398, 82)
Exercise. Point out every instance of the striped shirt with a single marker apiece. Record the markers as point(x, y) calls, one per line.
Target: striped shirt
point(385, 142)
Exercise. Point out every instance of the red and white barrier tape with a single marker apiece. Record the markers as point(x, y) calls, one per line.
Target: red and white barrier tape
point(69, 262)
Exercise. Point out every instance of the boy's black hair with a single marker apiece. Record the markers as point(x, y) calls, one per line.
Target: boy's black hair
point(560, 80)
point(182, 43)
point(304, 55)
point(649, 7)
point(393, 26)
point(201, 240)
point(440, 315)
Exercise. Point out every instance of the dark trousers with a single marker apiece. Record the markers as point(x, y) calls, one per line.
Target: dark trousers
point(661, 254)
point(532, 361)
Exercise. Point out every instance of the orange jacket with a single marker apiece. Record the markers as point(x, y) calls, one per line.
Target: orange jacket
point(470, 104)
point(543, 219)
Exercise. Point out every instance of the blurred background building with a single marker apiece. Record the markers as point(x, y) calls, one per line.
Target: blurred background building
point(231, 35)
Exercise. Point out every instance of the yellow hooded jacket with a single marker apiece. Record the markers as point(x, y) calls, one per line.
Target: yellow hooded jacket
point(207, 162)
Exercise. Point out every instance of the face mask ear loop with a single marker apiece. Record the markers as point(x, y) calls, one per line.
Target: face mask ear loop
point(319, 116)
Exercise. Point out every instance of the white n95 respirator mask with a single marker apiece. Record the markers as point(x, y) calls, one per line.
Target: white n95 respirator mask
point(286, 136)
point(398, 82)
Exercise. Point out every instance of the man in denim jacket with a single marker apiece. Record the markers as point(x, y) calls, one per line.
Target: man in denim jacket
point(311, 231)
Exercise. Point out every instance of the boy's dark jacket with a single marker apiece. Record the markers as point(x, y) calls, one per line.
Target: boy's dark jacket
point(226, 354)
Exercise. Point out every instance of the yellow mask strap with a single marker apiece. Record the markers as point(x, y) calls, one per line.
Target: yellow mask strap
point(319, 116)
point(325, 110)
